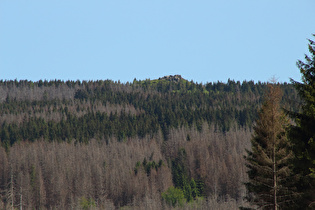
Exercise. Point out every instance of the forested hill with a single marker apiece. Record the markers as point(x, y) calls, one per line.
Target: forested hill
point(82, 110)
point(150, 144)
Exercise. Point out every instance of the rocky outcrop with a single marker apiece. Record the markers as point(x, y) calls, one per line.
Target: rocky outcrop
point(171, 78)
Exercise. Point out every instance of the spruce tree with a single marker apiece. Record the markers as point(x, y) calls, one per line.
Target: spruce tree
point(268, 161)
point(302, 134)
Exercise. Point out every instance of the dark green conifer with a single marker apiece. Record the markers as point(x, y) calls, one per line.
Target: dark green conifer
point(302, 134)
point(268, 161)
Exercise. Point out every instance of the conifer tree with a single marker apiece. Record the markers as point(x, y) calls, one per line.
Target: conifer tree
point(268, 162)
point(302, 134)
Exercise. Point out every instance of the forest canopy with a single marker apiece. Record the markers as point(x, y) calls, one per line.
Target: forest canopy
point(82, 110)
point(147, 144)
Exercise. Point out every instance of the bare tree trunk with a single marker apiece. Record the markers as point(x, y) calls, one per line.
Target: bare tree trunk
point(274, 178)
point(274, 139)
point(21, 199)
point(11, 191)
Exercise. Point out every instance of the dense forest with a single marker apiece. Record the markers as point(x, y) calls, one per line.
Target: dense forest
point(148, 144)
point(66, 111)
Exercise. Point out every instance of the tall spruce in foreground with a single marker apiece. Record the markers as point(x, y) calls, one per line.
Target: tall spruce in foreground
point(302, 134)
point(268, 161)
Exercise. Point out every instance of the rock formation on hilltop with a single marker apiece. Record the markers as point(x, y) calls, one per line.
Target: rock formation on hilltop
point(171, 78)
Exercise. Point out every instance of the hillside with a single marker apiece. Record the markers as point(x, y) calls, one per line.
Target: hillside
point(105, 143)
point(67, 111)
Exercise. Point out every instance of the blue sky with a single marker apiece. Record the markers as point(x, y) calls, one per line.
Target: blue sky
point(202, 40)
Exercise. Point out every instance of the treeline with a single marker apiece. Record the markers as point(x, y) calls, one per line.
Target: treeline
point(66, 111)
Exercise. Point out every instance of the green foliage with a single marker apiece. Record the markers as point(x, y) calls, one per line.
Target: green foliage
point(194, 190)
point(87, 203)
point(147, 166)
point(174, 197)
point(302, 134)
point(33, 176)
point(182, 180)
point(179, 170)
point(187, 192)
point(81, 94)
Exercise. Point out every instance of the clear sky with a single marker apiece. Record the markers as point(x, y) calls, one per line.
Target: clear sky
point(203, 40)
